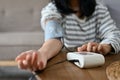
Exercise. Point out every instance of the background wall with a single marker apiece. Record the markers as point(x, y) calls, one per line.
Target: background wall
point(20, 28)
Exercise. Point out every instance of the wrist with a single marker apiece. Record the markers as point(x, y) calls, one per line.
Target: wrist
point(43, 53)
point(42, 59)
point(106, 48)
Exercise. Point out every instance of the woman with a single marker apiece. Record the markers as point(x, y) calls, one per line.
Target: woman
point(82, 24)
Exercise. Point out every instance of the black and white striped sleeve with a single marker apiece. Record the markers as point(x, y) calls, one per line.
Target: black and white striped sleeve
point(109, 33)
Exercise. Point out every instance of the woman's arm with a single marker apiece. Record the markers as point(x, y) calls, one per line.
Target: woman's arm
point(50, 48)
point(109, 33)
point(36, 60)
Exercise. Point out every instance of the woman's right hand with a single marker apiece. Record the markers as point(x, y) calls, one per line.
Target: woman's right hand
point(96, 47)
point(31, 60)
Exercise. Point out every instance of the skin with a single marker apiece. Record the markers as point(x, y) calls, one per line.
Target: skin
point(95, 47)
point(74, 5)
point(37, 59)
point(33, 60)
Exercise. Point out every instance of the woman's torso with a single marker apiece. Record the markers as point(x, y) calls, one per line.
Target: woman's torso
point(80, 31)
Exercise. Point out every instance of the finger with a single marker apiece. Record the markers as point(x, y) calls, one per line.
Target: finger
point(21, 65)
point(89, 47)
point(94, 48)
point(79, 49)
point(40, 65)
point(34, 61)
point(100, 50)
point(29, 61)
point(93, 43)
point(22, 56)
point(82, 48)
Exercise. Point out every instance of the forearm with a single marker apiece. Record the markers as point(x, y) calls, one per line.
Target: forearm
point(50, 48)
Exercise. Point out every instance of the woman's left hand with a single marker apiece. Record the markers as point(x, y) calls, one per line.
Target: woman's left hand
point(95, 47)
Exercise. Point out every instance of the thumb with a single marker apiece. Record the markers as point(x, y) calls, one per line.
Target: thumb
point(41, 65)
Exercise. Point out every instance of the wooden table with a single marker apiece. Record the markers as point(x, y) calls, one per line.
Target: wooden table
point(68, 71)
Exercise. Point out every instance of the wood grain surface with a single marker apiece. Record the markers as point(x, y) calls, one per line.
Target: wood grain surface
point(68, 71)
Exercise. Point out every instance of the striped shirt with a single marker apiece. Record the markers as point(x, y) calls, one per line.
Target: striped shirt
point(100, 27)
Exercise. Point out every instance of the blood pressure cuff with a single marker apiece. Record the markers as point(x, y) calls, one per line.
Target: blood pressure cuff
point(53, 30)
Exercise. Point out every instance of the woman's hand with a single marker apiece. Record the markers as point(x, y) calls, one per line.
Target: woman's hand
point(31, 60)
point(95, 47)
